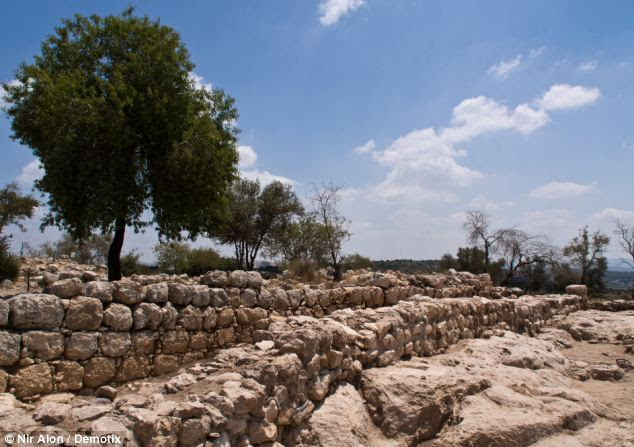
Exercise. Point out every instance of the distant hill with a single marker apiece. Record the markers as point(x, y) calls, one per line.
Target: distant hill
point(619, 280)
point(619, 265)
point(408, 265)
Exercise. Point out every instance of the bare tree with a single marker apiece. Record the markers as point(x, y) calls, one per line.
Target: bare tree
point(479, 233)
point(325, 202)
point(626, 239)
point(520, 250)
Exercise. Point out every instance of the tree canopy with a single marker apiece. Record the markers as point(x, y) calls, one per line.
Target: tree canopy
point(14, 207)
point(586, 252)
point(257, 218)
point(123, 133)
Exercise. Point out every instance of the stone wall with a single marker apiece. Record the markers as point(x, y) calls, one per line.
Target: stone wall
point(82, 335)
point(257, 394)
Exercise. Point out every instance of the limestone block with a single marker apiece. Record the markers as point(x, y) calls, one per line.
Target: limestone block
point(81, 345)
point(99, 289)
point(44, 345)
point(147, 315)
point(127, 292)
point(157, 293)
point(9, 348)
point(99, 371)
point(69, 375)
point(118, 317)
point(66, 288)
point(115, 344)
point(35, 379)
point(36, 311)
point(84, 313)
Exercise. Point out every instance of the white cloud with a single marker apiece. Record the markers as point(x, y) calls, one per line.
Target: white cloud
point(612, 214)
point(199, 82)
point(265, 177)
point(482, 202)
point(248, 157)
point(565, 96)
point(31, 172)
point(587, 66)
point(247, 166)
point(3, 103)
point(332, 10)
point(561, 190)
point(505, 67)
point(367, 147)
point(535, 52)
point(424, 163)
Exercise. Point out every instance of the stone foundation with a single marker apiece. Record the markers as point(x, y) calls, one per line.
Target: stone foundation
point(82, 335)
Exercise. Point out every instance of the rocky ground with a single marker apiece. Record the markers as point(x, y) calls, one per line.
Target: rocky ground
point(507, 390)
point(572, 385)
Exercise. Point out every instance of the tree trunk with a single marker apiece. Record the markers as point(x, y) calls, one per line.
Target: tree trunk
point(337, 275)
point(114, 252)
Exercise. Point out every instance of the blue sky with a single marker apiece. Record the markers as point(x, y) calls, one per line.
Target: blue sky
point(421, 109)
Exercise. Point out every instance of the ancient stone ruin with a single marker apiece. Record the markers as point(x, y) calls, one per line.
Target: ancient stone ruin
point(232, 359)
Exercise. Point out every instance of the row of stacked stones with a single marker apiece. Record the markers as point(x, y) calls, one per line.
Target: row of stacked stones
point(311, 355)
point(273, 389)
point(83, 334)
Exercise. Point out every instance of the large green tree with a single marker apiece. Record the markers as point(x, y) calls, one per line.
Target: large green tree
point(124, 134)
point(258, 217)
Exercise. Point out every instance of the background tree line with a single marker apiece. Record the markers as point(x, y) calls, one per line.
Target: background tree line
point(514, 257)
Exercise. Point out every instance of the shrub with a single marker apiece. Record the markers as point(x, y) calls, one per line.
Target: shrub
point(202, 260)
point(356, 262)
point(131, 264)
point(9, 264)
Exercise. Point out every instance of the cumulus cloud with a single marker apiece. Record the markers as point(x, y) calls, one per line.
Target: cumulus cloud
point(248, 157)
point(31, 172)
point(587, 66)
point(505, 67)
point(612, 214)
point(200, 82)
point(560, 190)
point(247, 166)
point(332, 10)
point(565, 96)
point(424, 164)
point(367, 147)
point(265, 177)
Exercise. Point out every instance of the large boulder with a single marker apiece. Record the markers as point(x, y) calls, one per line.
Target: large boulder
point(577, 289)
point(99, 289)
point(147, 315)
point(84, 313)
point(36, 311)
point(66, 288)
point(81, 345)
point(118, 317)
point(128, 292)
point(36, 379)
point(327, 426)
point(44, 345)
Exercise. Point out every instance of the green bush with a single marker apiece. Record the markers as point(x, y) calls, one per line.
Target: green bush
point(356, 262)
point(9, 264)
point(131, 264)
point(202, 260)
